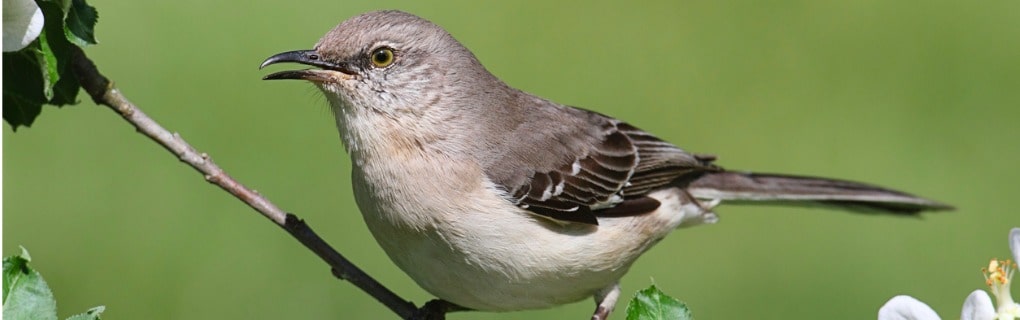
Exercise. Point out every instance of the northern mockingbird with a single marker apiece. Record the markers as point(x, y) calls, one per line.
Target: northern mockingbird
point(495, 199)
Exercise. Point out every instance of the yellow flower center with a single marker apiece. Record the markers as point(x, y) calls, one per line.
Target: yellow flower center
point(997, 276)
point(999, 272)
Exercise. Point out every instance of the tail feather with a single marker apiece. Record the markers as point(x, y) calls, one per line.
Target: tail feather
point(731, 186)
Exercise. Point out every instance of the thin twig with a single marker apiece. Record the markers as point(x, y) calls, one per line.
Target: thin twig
point(103, 92)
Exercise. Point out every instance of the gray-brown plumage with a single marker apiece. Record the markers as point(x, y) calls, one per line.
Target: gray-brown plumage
point(619, 163)
point(495, 199)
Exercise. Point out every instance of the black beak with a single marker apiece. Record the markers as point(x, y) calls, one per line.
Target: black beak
point(306, 57)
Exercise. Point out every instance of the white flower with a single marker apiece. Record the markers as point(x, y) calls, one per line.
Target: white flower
point(978, 305)
point(906, 308)
point(1014, 243)
point(23, 21)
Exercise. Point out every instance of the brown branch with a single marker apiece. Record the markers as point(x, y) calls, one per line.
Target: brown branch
point(105, 93)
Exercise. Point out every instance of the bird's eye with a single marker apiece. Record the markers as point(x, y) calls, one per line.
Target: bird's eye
point(382, 57)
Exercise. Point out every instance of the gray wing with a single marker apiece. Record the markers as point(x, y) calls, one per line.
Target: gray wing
point(608, 175)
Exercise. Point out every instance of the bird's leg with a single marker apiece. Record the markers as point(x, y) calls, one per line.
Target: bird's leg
point(605, 301)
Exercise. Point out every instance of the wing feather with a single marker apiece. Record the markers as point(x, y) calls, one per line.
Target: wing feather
point(610, 177)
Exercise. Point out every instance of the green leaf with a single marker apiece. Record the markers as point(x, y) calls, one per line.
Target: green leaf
point(80, 23)
point(47, 65)
point(54, 48)
point(92, 314)
point(43, 68)
point(652, 304)
point(23, 99)
point(26, 295)
point(64, 5)
point(19, 111)
point(13, 267)
point(65, 92)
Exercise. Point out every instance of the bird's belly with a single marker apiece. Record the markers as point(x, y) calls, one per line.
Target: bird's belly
point(486, 254)
point(486, 276)
point(502, 269)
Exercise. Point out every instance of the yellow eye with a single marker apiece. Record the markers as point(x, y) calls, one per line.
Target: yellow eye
point(382, 57)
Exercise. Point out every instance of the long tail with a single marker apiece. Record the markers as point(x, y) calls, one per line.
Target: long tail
point(731, 186)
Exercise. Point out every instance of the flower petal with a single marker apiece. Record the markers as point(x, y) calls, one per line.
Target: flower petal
point(904, 307)
point(978, 306)
point(22, 23)
point(1014, 243)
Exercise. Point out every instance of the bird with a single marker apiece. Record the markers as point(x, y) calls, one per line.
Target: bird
point(494, 199)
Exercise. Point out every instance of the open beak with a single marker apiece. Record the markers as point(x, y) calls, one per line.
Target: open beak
point(311, 58)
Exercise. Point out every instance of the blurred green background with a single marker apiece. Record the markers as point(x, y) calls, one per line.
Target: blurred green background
point(922, 96)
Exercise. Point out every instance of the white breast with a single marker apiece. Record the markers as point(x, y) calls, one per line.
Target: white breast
point(463, 242)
